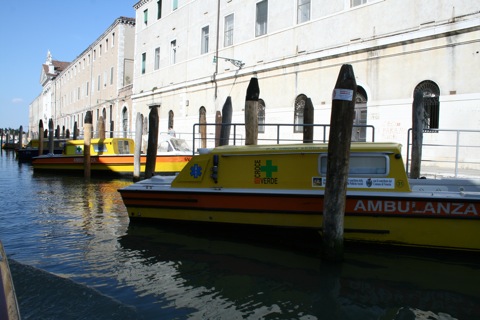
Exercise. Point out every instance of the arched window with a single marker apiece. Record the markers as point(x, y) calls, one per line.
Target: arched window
point(300, 102)
point(431, 103)
point(261, 116)
point(360, 119)
point(361, 96)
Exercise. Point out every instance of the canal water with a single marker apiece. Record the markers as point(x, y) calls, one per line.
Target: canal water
point(75, 255)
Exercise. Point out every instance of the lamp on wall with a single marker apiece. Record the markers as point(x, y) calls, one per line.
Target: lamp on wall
point(237, 63)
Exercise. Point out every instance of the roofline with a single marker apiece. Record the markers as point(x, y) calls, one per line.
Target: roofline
point(140, 3)
point(119, 20)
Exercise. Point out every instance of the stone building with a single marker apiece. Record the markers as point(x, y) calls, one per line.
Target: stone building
point(190, 55)
point(98, 80)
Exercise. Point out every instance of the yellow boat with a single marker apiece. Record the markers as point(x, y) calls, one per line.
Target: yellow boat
point(115, 156)
point(284, 185)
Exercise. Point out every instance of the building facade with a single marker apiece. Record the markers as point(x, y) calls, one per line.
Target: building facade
point(190, 55)
point(98, 80)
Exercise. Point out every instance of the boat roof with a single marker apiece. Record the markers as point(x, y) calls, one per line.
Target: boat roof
point(380, 147)
point(96, 140)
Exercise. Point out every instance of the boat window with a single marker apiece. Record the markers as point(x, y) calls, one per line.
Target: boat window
point(361, 165)
point(100, 147)
point(164, 146)
point(123, 147)
point(58, 143)
point(180, 144)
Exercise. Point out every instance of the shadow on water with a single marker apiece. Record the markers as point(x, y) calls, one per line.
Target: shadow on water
point(264, 279)
point(54, 297)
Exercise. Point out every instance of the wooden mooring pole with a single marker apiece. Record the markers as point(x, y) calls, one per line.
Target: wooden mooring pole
point(341, 124)
point(203, 130)
point(50, 136)
point(101, 128)
point(87, 137)
point(218, 127)
point(251, 112)
point(152, 141)
point(418, 114)
point(308, 122)
point(75, 130)
point(226, 122)
point(20, 137)
point(40, 137)
point(138, 147)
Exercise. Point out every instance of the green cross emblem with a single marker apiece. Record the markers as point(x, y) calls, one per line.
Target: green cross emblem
point(269, 168)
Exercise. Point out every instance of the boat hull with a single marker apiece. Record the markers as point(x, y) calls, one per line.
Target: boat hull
point(413, 220)
point(26, 155)
point(116, 164)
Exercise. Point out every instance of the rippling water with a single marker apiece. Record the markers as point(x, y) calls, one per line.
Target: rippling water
point(74, 255)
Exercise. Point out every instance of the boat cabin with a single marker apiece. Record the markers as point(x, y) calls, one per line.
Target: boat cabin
point(373, 166)
point(169, 144)
point(108, 146)
point(35, 143)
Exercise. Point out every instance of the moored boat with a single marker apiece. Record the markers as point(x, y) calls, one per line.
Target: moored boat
point(283, 186)
point(31, 150)
point(115, 156)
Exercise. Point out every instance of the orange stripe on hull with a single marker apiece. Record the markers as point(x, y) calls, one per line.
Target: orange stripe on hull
point(310, 204)
point(118, 163)
point(239, 202)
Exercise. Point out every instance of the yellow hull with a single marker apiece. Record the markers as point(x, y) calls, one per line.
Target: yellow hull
point(245, 218)
point(419, 232)
point(113, 164)
point(456, 234)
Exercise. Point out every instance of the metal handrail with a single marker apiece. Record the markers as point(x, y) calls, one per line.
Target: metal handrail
point(458, 147)
point(238, 138)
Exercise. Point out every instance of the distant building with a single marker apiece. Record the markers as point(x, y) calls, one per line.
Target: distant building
point(41, 107)
point(98, 80)
point(188, 66)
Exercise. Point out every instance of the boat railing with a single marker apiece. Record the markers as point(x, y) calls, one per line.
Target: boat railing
point(271, 133)
point(447, 152)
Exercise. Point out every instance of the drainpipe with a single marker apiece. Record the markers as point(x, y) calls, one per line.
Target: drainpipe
point(216, 49)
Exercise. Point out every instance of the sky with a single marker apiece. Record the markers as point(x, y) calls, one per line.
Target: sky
point(30, 28)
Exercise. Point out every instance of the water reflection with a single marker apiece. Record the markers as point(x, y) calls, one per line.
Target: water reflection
point(220, 278)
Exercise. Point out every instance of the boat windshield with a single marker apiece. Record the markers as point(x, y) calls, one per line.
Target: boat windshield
point(180, 144)
point(373, 165)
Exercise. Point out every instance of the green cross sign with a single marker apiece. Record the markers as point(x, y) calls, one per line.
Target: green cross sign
point(269, 168)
